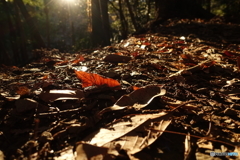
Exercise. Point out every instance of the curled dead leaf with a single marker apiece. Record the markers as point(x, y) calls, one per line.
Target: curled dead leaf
point(91, 79)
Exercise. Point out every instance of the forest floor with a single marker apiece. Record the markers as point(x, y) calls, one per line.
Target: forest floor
point(171, 94)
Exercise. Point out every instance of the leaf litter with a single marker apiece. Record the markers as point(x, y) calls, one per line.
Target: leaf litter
point(142, 98)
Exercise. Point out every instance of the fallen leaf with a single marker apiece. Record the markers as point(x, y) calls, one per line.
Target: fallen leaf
point(90, 152)
point(137, 99)
point(54, 95)
point(62, 62)
point(117, 58)
point(91, 79)
point(22, 90)
point(77, 60)
point(131, 133)
point(228, 53)
point(238, 62)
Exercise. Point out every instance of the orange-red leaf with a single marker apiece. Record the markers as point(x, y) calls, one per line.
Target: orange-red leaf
point(238, 62)
point(77, 60)
point(228, 53)
point(22, 90)
point(146, 43)
point(135, 88)
point(62, 63)
point(91, 79)
point(135, 54)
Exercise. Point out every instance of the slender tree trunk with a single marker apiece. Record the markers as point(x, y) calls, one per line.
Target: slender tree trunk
point(124, 24)
point(132, 16)
point(105, 21)
point(208, 2)
point(29, 20)
point(100, 23)
point(3, 55)
point(21, 34)
point(12, 34)
point(46, 11)
point(148, 9)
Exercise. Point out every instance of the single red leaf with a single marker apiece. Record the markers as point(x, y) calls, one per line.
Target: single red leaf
point(22, 90)
point(61, 63)
point(238, 62)
point(179, 42)
point(118, 53)
point(135, 54)
point(146, 43)
point(157, 66)
point(77, 60)
point(190, 64)
point(135, 88)
point(228, 53)
point(91, 79)
point(209, 64)
point(45, 77)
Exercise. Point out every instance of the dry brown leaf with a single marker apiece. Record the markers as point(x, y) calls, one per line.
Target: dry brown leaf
point(131, 133)
point(90, 152)
point(53, 95)
point(137, 99)
point(22, 90)
point(117, 58)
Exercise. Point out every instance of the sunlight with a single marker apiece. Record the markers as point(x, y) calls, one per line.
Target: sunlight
point(69, 1)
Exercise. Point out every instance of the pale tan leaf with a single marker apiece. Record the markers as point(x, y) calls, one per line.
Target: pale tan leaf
point(142, 136)
point(138, 99)
point(132, 132)
point(53, 95)
point(90, 152)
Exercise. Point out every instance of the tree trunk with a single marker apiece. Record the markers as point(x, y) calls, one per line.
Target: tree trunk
point(105, 21)
point(29, 20)
point(100, 23)
point(12, 34)
point(46, 11)
point(22, 39)
point(148, 9)
point(124, 24)
point(136, 26)
point(208, 2)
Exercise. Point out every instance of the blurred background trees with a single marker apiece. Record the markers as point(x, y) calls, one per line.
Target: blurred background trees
point(71, 25)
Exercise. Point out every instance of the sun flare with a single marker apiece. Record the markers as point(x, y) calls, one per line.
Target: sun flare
point(69, 1)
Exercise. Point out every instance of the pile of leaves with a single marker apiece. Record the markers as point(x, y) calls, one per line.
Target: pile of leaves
point(165, 95)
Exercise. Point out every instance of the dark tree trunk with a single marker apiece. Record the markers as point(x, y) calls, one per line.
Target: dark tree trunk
point(46, 11)
point(100, 23)
point(124, 24)
point(208, 3)
point(132, 16)
point(148, 9)
point(12, 33)
point(29, 20)
point(22, 39)
point(105, 20)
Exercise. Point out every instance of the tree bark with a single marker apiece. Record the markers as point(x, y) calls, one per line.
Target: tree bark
point(132, 16)
point(124, 24)
point(22, 38)
point(105, 21)
point(100, 23)
point(29, 20)
point(46, 11)
point(12, 34)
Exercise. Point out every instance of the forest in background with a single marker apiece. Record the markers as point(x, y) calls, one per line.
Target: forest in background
point(72, 25)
